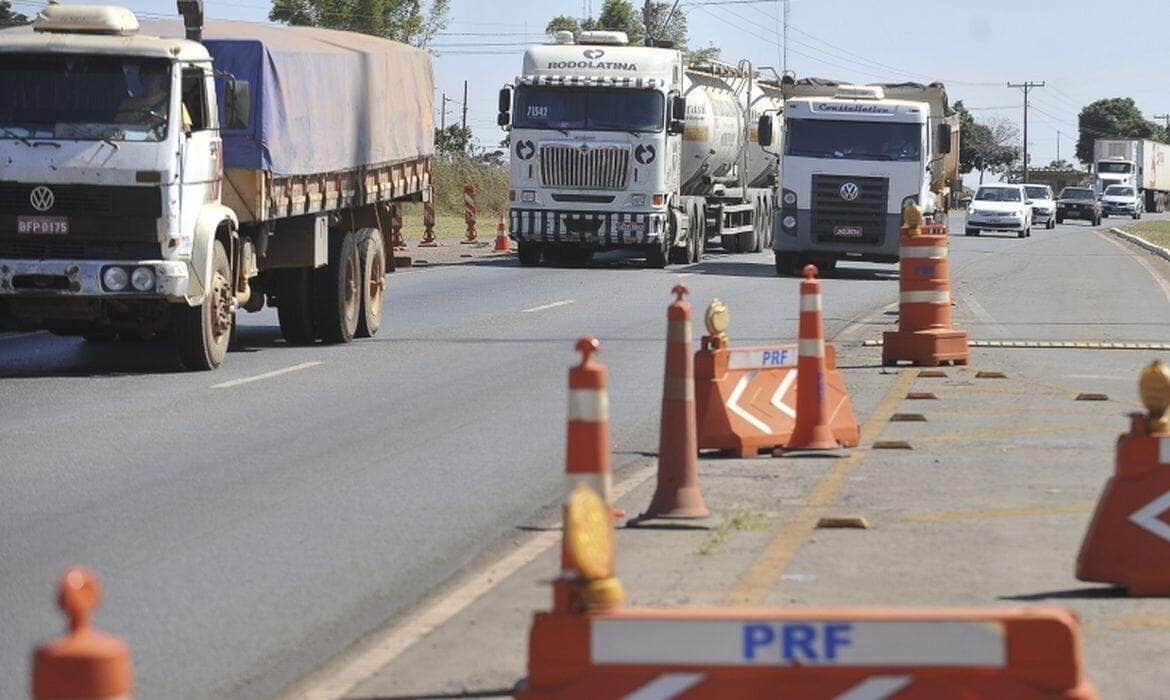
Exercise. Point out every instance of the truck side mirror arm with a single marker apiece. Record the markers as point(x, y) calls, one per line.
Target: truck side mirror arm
point(504, 119)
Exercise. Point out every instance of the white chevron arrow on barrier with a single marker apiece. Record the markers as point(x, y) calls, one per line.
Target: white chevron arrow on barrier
point(1147, 518)
point(777, 400)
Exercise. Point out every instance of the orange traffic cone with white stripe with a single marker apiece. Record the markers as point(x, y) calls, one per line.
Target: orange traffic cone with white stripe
point(84, 663)
point(502, 236)
point(812, 430)
point(587, 448)
point(677, 494)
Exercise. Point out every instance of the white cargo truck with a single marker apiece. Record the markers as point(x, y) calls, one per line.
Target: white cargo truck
point(853, 157)
point(617, 146)
point(159, 177)
point(1139, 163)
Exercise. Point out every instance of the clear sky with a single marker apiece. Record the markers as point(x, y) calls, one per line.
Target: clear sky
point(1084, 50)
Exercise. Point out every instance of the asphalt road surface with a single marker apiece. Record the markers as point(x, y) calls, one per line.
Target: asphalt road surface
point(252, 522)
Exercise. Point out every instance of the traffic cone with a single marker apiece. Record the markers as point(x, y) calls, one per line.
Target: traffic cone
point(587, 449)
point(677, 494)
point(84, 663)
point(502, 235)
point(812, 430)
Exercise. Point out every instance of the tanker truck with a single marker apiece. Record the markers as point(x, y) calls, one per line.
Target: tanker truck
point(161, 176)
point(854, 157)
point(620, 147)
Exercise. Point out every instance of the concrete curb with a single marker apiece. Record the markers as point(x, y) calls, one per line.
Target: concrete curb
point(1141, 242)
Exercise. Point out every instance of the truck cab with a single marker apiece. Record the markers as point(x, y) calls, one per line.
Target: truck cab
point(112, 157)
point(1114, 171)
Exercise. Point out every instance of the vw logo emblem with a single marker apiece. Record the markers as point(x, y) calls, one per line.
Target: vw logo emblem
point(850, 191)
point(594, 54)
point(42, 198)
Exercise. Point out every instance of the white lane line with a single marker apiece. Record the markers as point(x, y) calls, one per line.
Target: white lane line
point(266, 375)
point(545, 307)
point(341, 676)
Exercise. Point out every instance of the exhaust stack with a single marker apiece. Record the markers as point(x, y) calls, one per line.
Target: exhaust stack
point(192, 11)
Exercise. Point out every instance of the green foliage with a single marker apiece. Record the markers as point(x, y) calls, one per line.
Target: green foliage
point(985, 146)
point(1118, 117)
point(454, 139)
point(563, 23)
point(619, 16)
point(450, 174)
point(8, 18)
point(400, 20)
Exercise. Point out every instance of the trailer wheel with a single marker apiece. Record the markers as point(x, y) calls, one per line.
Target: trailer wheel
point(372, 252)
point(339, 290)
point(295, 308)
point(202, 333)
point(528, 253)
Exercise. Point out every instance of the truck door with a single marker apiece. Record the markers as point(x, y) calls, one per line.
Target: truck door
point(201, 145)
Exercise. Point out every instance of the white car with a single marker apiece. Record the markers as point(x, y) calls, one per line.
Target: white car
point(1000, 208)
point(1122, 200)
point(1043, 205)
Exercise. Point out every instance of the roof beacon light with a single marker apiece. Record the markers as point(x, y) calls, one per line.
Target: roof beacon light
point(604, 38)
point(860, 92)
point(564, 37)
point(86, 19)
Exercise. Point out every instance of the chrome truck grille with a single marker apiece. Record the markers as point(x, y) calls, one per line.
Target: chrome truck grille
point(863, 214)
point(593, 168)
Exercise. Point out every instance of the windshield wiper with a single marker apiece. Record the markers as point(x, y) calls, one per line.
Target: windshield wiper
point(13, 135)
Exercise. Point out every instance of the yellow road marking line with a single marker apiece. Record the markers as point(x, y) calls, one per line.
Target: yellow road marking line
point(974, 514)
point(1142, 622)
point(1011, 432)
point(753, 585)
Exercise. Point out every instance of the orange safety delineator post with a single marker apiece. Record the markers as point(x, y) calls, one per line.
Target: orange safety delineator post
point(85, 663)
point(469, 214)
point(396, 227)
point(677, 494)
point(428, 240)
point(745, 397)
point(587, 448)
point(592, 647)
point(811, 430)
point(1128, 542)
point(924, 336)
point(502, 245)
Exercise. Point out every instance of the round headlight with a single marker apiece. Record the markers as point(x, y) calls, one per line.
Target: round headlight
point(115, 279)
point(142, 279)
point(789, 222)
point(790, 198)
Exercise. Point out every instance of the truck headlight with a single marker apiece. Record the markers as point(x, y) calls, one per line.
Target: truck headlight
point(115, 279)
point(142, 279)
point(637, 200)
point(789, 222)
point(789, 198)
point(528, 196)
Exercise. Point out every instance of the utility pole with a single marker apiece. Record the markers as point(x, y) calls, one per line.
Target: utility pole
point(787, 16)
point(443, 119)
point(1166, 117)
point(1027, 88)
point(1058, 145)
point(465, 105)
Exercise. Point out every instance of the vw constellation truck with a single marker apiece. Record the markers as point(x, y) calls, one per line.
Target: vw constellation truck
point(853, 157)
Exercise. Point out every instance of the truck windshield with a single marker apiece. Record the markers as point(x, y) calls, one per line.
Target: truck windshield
point(600, 109)
point(1119, 191)
point(998, 194)
point(853, 140)
point(84, 98)
point(1113, 167)
point(1077, 193)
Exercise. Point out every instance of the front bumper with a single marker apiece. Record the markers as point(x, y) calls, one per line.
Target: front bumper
point(996, 223)
point(1081, 214)
point(83, 278)
point(802, 242)
point(1043, 215)
point(1123, 209)
point(598, 229)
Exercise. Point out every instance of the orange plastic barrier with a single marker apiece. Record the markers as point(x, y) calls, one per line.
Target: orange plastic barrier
point(502, 245)
point(84, 663)
point(469, 214)
point(924, 336)
point(746, 397)
point(677, 493)
point(1128, 542)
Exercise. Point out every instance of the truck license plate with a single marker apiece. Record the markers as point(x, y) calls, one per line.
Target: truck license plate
point(847, 231)
point(42, 225)
point(632, 227)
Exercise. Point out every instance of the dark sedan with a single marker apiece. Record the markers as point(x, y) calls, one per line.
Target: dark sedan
point(1078, 203)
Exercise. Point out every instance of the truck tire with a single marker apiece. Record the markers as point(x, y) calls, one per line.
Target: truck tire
point(295, 308)
point(202, 333)
point(372, 253)
point(698, 233)
point(971, 231)
point(657, 255)
point(787, 264)
point(528, 254)
point(339, 290)
point(758, 233)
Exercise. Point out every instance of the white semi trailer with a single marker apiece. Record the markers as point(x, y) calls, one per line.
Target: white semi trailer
point(619, 146)
point(1139, 163)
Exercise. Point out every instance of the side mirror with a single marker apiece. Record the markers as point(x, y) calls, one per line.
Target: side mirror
point(764, 130)
point(505, 108)
point(678, 115)
point(944, 138)
point(1029, 202)
point(238, 104)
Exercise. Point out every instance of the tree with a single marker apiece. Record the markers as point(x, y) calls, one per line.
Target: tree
point(563, 23)
point(1118, 117)
point(454, 139)
point(985, 147)
point(620, 16)
point(401, 20)
point(8, 18)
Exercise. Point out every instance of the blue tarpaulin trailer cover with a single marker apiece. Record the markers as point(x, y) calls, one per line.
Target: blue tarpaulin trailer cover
point(322, 100)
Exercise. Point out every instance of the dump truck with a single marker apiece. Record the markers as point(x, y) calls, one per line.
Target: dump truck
point(623, 147)
point(1139, 163)
point(854, 156)
point(161, 176)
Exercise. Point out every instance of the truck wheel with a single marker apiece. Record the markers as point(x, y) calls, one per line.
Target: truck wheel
point(657, 254)
point(786, 264)
point(528, 254)
point(339, 290)
point(202, 333)
point(701, 239)
point(295, 308)
point(698, 233)
point(1051, 224)
point(372, 252)
point(1060, 220)
point(971, 231)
